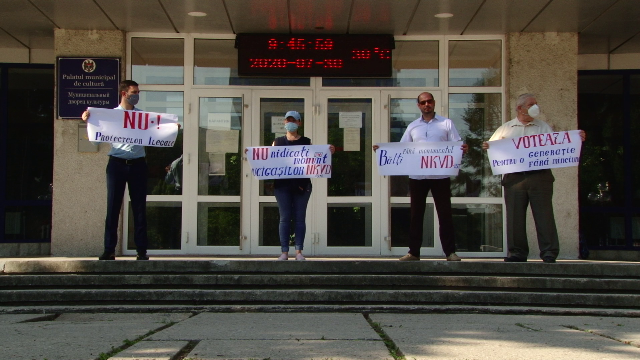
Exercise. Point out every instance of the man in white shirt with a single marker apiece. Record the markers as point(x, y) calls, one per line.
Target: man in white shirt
point(126, 165)
point(528, 187)
point(430, 127)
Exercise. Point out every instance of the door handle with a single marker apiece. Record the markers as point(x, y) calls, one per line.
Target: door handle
point(388, 240)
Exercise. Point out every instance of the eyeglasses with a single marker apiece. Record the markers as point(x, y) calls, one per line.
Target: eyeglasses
point(430, 101)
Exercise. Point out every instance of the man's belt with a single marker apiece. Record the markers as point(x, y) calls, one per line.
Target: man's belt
point(128, 161)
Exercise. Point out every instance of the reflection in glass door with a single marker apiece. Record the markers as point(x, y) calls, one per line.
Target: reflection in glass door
point(164, 185)
point(268, 110)
point(477, 193)
point(351, 197)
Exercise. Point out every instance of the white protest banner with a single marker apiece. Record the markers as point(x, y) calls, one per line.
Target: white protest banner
point(535, 152)
point(132, 127)
point(287, 162)
point(419, 158)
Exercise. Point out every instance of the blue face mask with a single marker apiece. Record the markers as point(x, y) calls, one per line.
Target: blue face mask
point(133, 99)
point(291, 126)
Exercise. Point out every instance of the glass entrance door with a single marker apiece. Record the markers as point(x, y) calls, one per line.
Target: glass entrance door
point(349, 202)
point(268, 108)
point(355, 212)
point(217, 216)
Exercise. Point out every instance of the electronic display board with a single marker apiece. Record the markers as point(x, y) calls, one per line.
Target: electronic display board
point(314, 55)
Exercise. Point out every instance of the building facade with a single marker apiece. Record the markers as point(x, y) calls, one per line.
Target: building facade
point(475, 72)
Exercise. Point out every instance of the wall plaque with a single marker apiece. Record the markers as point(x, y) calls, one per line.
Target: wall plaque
point(86, 82)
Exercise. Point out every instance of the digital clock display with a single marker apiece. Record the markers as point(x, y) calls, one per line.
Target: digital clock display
point(314, 55)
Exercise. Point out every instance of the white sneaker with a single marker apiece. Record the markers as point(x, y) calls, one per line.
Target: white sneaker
point(300, 257)
point(284, 257)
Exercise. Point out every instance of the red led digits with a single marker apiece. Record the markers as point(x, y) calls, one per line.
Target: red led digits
point(383, 53)
point(290, 55)
point(333, 63)
point(366, 54)
point(268, 63)
point(303, 63)
point(324, 44)
point(280, 63)
point(361, 54)
point(296, 44)
point(259, 63)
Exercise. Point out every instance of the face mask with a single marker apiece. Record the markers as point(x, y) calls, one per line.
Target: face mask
point(133, 99)
point(534, 111)
point(291, 126)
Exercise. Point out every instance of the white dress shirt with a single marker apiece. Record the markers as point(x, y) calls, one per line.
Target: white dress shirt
point(437, 129)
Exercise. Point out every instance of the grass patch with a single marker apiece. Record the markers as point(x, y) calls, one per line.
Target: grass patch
point(527, 327)
point(186, 350)
point(128, 343)
point(51, 317)
point(603, 335)
point(394, 350)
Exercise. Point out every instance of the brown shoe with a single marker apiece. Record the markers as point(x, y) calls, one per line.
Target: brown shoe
point(409, 257)
point(453, 257)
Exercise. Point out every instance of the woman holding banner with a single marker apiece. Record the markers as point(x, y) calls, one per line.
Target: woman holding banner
point(293, 194)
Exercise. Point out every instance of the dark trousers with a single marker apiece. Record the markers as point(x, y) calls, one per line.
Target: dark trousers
point(520, 190)
point(292, 204)
point(441, 191)
point(135, 175)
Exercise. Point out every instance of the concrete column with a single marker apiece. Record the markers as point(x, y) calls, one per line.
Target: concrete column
point(79, 194)
point(546, 64)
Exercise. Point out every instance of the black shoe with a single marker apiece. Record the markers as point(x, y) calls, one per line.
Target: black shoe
point(514, 259)
point(142, 257)
point(107, 256)
point(548, 260)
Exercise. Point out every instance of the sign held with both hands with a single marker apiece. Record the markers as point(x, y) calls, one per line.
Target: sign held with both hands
point(289, 162)
point(132, 127)
point(419, 158)
point(535, 152)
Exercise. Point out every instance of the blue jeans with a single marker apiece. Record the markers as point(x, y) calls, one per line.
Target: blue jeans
point(292, 206)
point(135, 175)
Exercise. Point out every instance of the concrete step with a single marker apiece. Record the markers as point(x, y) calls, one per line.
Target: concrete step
point(325, 281)
point(477, 268)
point(348, 283)
point(314, 296)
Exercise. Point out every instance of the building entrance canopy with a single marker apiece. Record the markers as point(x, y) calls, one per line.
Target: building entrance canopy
point(605, 26)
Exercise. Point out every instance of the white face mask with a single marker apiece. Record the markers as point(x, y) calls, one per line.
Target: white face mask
point(534, 111)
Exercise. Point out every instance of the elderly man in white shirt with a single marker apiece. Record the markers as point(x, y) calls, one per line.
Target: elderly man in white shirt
point(528, 187)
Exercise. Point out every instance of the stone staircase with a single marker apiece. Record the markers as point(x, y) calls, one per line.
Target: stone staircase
point(337, 283)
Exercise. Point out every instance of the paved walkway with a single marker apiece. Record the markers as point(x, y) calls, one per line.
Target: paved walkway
point(212, 335)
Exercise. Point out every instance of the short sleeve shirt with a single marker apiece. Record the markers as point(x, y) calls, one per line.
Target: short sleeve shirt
point(514, 128)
